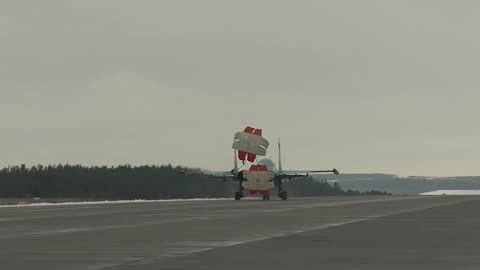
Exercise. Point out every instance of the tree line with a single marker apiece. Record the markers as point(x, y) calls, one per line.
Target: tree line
point(133, 182)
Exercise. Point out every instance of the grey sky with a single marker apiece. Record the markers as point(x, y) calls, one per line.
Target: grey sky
point(364, 86)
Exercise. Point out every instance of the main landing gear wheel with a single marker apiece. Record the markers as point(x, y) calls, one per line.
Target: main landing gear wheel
point(283, 195)
point(238, 196)
point(266, 197)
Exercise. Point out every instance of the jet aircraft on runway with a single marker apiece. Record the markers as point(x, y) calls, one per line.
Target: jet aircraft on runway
point(260, 180)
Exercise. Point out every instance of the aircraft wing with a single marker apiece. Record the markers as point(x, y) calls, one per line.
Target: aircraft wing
point(222, 175)
point(295, 174)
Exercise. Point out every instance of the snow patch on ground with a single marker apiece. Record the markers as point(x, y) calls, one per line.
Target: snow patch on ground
point(452, 192)
point(115, 202)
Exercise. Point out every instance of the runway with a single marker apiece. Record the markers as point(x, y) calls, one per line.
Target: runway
point(393, 232)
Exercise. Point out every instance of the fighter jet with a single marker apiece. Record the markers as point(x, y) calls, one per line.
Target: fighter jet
point(259, 179)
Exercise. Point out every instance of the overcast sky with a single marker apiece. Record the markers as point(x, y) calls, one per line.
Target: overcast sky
point(363, 86)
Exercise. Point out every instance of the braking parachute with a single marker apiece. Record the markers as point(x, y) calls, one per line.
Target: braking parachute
point(250, 144)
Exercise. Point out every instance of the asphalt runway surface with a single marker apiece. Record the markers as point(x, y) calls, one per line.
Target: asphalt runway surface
point(393, 232)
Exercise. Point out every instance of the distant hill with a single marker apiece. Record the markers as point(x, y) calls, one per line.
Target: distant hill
point(403, 185)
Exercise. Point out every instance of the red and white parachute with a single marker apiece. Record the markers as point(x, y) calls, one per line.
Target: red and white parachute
point(249, 144)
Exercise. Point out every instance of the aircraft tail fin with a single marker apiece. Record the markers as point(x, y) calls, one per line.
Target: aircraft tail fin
point(279, 157)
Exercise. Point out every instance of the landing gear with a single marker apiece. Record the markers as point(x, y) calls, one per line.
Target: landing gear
point(238, 196)
point(282, 194)
point(239, 193)
point(266, 197)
